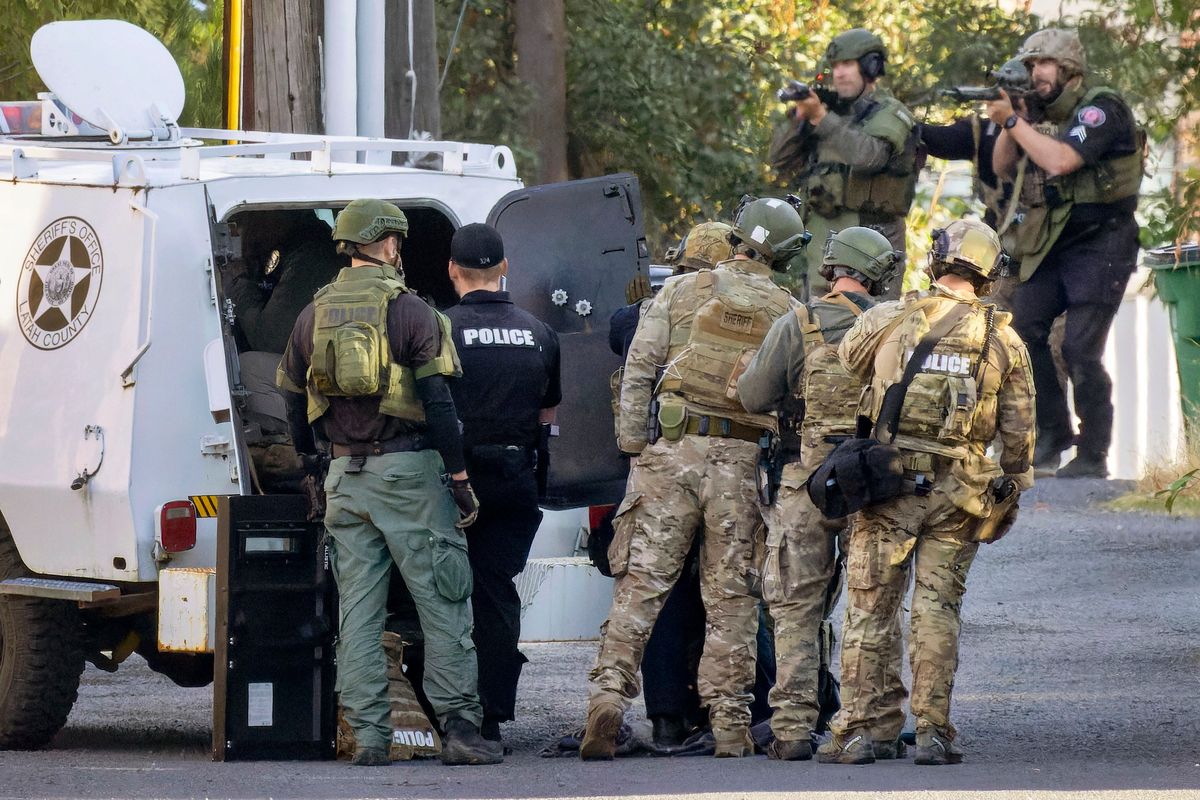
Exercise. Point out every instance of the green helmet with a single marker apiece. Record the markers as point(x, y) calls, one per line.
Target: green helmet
point(968, 243)
point(367, 221)
point(855, 45)
point(703, 247)
point(772, 228)
point(1061, 45)
point(863, 250)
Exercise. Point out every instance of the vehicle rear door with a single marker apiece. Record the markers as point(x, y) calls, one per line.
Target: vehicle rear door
point(573, 248)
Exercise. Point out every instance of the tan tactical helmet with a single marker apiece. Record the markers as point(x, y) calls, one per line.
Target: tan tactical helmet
point(1061, 45)
point(367, 221)
point(703, 247)
point(968, 243)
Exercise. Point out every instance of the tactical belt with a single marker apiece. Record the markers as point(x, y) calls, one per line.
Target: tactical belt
point(400, 444)
point(725, 428)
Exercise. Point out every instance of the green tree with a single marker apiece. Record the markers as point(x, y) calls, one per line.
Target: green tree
point(190, 29)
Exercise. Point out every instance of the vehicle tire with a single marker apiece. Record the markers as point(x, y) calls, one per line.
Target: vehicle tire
point(41, 659)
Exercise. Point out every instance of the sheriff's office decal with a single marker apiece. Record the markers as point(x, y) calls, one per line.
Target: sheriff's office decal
point(59, 283)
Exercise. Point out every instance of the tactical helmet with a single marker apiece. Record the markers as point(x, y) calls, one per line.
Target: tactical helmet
point(866, 251)
point(1061, 45)
point(772, 228)
point(968, 243)
point(703, 247)
point(861, 45)
point(367, 221)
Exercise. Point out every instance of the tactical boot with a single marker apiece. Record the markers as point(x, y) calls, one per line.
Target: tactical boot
point(1047, 455)
point(1084, 465)
point(600, 737)
point(670, 730)
point(853, 749)
point(732, 743)
point(790, 750)
point(933, 749)
point(462, 745)
point(371, 757)
point(889, 750)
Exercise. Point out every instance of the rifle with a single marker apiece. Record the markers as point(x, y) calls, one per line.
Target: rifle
point(1012, 77)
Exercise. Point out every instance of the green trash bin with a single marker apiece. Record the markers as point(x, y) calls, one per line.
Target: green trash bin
point(1177, 279)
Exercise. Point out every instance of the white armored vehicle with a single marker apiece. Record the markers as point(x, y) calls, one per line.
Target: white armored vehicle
point(128, 428)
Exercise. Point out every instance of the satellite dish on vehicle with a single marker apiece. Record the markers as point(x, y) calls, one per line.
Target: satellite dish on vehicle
point(113, 74)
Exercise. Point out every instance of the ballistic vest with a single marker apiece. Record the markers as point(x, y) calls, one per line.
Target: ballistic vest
point(832, 186)
point(829, 392)
point(351, 353)
point(951, 403)
point(705, 359)
point(1046, 201)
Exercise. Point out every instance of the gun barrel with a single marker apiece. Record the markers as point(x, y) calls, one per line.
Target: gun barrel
point(972, 94)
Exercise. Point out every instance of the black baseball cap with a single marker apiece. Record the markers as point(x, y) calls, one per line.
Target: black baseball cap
point(477, 246)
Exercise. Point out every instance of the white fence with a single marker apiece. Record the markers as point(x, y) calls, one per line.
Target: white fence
point(1140, 358)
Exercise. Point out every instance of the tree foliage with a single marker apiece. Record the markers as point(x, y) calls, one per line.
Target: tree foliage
point(190, 29)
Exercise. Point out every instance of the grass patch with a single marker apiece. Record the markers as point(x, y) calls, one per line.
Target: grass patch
point(1149, 504)
point(1167, 486)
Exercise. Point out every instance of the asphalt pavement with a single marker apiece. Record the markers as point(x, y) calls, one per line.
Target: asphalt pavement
point(1079, 677)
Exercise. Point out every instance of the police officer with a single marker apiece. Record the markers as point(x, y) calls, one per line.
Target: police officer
point(506, 400)
point(699, 471)
point(854, 161)
point(1077, 242)
point(973, 385)
point(367, 365)
point(796, 373)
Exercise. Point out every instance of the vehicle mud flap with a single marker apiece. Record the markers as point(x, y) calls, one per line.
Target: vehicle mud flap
point(276, 616)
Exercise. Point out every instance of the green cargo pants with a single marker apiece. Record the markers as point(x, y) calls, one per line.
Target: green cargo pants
point(397, 509)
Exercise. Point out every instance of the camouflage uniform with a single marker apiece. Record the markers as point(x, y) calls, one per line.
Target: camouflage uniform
point(931, 538)
point(682, 480)
point(801, 580)
point(856, 167)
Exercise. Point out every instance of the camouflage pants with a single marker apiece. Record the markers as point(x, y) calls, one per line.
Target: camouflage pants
point(798, 572)
point(924, 536)
point(675, 490)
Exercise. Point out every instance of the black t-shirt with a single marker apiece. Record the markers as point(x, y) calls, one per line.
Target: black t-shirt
point(415, 339)
point(510, 364)
point(1101, 130)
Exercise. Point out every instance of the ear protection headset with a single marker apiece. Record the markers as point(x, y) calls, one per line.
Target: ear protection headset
point(872, 65)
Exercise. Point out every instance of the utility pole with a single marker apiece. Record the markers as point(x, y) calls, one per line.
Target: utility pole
point(405, 114)
point(282, 66)
point(541, 49)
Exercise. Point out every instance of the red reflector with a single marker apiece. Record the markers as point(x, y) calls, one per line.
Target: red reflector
point(596, 514)
point(177, 526)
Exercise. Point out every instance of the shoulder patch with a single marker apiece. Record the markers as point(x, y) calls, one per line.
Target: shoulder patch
point(1078, 132)
point(1092, 116)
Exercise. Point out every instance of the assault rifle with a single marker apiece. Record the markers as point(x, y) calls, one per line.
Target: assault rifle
point(1013, 78)
point(795, 91)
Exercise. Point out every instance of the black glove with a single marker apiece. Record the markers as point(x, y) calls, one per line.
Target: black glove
point(1003, 488)
point(467, 502)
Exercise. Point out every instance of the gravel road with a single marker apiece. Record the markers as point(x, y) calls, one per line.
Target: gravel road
point(1079, 678)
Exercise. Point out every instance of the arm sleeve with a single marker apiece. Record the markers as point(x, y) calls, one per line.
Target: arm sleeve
point(791, 145)
point(854, 146)
point(1015, 417)
point(441, 421)
point(646, 353)
point(1100, 130)
point(857, 348)
point(953, 142)
point(297, 417)
point(249, 300)
point(777, 368)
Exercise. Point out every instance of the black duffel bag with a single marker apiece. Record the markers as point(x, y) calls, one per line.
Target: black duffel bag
point(864, 471)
